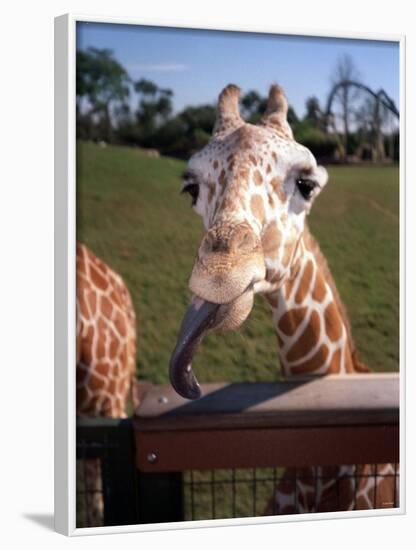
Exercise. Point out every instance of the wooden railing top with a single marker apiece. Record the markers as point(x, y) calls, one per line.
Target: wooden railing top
point(314, 401)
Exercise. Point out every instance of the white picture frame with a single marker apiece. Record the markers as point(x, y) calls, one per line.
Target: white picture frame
point(65, 240)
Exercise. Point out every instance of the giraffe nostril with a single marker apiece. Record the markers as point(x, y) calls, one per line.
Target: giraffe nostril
point(245, 241)
point(229, 239)
point(214, 243)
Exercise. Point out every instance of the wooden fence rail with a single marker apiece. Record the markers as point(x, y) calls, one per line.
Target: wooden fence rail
point(309, 421)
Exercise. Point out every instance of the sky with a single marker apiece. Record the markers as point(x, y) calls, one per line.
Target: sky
point(197, 64)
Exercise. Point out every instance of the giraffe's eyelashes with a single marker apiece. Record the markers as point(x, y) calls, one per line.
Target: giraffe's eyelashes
point(193, 190)
point(306, 187)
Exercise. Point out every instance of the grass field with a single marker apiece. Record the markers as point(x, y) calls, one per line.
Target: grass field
point(130, 213)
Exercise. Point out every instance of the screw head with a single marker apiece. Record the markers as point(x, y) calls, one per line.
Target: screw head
point(151, 457)
point(163, 399)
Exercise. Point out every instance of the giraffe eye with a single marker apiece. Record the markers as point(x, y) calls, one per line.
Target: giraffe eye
point(193, 190)
point(305, 187)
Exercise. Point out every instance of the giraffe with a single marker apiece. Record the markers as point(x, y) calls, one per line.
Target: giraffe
point(253, 186)
point(106, 358)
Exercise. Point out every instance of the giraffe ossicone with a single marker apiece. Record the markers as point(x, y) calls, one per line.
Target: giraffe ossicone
point(253, 186)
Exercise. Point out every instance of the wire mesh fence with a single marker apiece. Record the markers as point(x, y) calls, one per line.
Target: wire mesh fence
point(218, 494)
point(254, 492)
point(186, 464)
point(112, 491)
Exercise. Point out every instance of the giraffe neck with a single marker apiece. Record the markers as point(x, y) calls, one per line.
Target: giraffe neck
point(310, 321)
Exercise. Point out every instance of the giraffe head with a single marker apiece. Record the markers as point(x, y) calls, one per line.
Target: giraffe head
point(253, 186)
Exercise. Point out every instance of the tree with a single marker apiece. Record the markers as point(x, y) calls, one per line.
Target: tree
point(187, 132)
point(292, 117)
point(154, 109)
point(253, 106)
point(313, 113)
point(201, 116)
point(146, 87)
point(321, 144)
point(102, 84)
point(345, 96)
point(370, 118)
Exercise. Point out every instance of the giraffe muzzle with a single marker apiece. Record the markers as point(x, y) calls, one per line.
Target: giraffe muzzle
point(199, 318)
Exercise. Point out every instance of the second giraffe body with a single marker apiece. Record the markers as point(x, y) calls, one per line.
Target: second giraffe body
point(106, 361)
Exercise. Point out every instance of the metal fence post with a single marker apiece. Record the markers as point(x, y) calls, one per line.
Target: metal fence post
point(160, 497)
point(112, 442)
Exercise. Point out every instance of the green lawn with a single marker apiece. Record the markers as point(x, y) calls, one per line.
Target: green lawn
point(131, 214)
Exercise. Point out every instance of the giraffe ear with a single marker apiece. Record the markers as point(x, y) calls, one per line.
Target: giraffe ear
point(228, 114)
point(275, 115)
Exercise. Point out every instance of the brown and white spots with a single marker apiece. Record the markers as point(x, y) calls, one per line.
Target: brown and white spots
point(275, 183)
point(258, 178)
point(333, 326)
point(114, 347)
point(243, 175)
point(335, 365)
point(120, 324)
point(274, 156)
point(291, 320)
point(242, 200)
point(307, 340)
point(97, 382)
point(310, 323)
point(83, 308)
point(106, 332)
point(106, 307)
point(270, 241)
point(227, 203)
point(211, 191)
point(98, 278)
point(222, 178)
point(91, 300)
point(273, 299)
point(257, 208)
point(253, 159)
point(289, 286)
point(319, 291)
point(287, 254)
point(274, 276)
point(303, 288)
point(215, 164)
point(268, 169)
point(277, 187)
point(313, 364)
point(282, 195)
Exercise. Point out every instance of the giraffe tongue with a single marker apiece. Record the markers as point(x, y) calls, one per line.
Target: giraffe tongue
point(200, 317)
